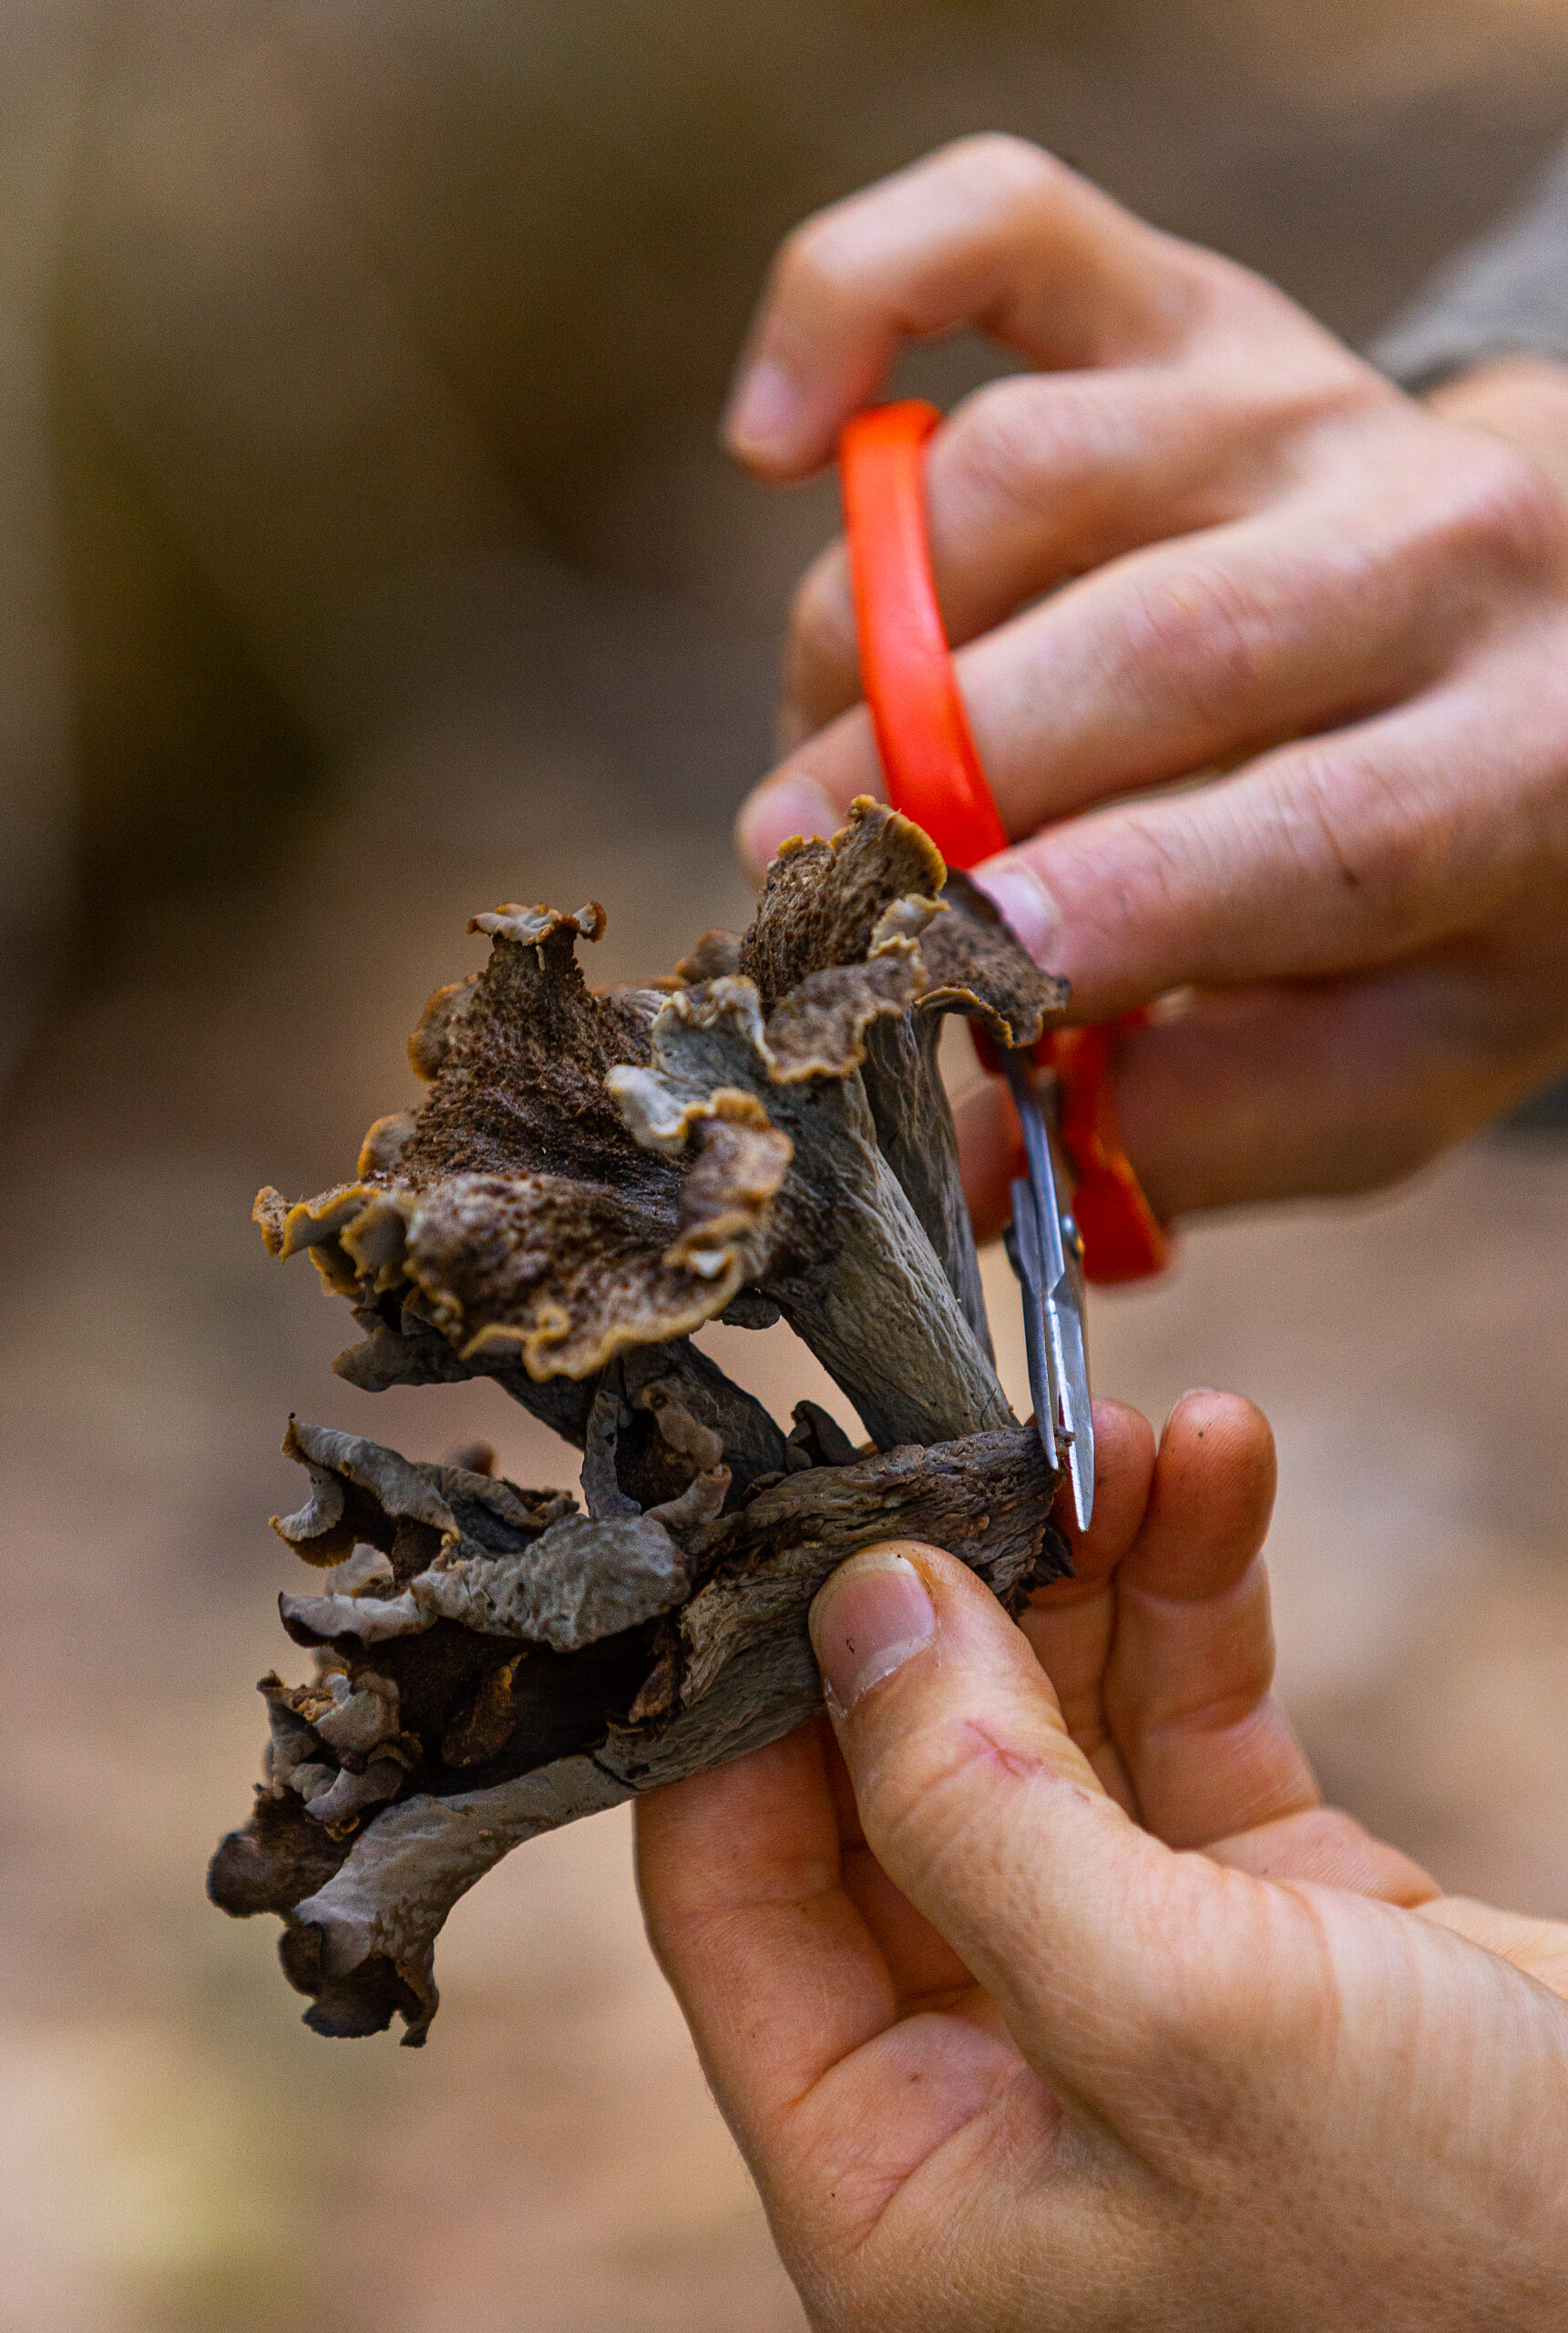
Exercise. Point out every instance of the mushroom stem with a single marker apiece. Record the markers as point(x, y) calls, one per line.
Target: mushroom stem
point(849, 1265)
point(876, 1287)
point(915, 1135)
point(417, 1354)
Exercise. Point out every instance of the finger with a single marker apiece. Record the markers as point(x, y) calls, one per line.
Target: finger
point(1070, 1624)
point(988, 231)
point(1034, 479)
point(1207, 1749)
point(1521, 399)
point(743, 1899)
point(1344, 852)
point(1323, 1847)
point(922, 1967)
point(1303, 1090)
point(983, 1811)
point(834, 2096)
point(1325, 1088)
point(1177, 659)
point(1540, 1947)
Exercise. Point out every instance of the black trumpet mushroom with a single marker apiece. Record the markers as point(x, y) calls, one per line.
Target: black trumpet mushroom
point(592, 1176)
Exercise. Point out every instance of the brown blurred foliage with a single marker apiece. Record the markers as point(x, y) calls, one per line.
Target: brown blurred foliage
point(324, 299)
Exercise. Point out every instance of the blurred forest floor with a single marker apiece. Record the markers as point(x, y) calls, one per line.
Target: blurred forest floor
point(554, 710)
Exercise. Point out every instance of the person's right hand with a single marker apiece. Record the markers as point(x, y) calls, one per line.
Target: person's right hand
point(1072, 2009)
point(1206, 557)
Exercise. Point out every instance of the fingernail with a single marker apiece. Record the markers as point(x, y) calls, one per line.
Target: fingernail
point(1025, 902)
point(1192, 1393)
point(790, 804)
point(764, 408)
point(872, 1616)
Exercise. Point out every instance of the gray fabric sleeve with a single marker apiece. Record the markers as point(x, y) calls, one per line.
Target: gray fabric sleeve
point(1505, 295)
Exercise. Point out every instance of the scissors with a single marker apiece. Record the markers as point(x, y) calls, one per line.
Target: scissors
point(935, 777)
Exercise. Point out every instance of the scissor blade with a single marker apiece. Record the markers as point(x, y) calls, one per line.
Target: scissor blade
point(1067, 1309)
point(1060, 1307)
point(1023, 1247)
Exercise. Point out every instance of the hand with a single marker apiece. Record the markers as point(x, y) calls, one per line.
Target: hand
point(1335, 618)
point(1003, 2052)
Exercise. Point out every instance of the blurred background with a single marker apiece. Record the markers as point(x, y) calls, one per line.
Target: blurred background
point(365, 559)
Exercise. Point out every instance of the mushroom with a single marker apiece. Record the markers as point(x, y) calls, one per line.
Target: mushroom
point(590, 1178)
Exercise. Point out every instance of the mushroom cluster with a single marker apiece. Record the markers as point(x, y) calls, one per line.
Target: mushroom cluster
point(592, 1176)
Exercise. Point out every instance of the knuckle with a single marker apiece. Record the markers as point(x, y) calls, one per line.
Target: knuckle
point(1200, 625)
point(1369, 832)
point(1289, 411)
point(922, 1808)
point(827, 253)
point(1016, 445)
point(823, 257)
point(1501, 506)
point(1217, 283)
point(1230, 291)
point(1159, 883)
point(1003, 160)
point(1211, 301)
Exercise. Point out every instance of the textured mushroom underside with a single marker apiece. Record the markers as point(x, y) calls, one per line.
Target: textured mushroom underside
point(541, 1665)
point(590, 1177)
point(591, 1172)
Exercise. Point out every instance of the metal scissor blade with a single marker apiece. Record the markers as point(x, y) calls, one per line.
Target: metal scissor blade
point(1068, 1308)
point(1059, 1306)
point(1023, 1244)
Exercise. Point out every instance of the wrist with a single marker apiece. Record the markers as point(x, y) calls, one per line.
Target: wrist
point(1524, 399)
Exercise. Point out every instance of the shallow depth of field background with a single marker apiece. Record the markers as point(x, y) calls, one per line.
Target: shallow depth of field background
point(365, 559)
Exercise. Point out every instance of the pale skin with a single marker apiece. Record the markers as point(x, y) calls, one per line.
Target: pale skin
point(1041, 1991)
point(1037, 1986)
point(1203, 546)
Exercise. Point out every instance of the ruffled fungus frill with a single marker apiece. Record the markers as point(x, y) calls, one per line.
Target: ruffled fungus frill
point(590, 1178)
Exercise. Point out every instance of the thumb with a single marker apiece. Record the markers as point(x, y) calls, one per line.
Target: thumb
point(1096, 1942)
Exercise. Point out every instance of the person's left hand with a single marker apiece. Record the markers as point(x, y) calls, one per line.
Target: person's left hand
point(1022, 2066)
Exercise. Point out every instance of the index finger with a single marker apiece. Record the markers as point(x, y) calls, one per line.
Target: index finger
point(1071, 1623)
point(1187, 1685)
point(988, 231)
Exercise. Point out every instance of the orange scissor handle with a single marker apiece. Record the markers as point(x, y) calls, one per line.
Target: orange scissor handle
point(933, 771)
point(935, 777)
point(1123, 1239)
